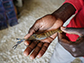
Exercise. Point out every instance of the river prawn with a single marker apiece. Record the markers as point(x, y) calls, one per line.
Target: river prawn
point(37, 37)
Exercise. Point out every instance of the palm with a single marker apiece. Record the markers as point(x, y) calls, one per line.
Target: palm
point(46, 23)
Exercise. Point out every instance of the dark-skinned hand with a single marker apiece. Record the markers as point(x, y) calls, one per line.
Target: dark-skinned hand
point(75, 48)
point(46, 23)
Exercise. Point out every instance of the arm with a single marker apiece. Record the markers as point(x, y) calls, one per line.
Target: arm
point(46, 23)
point(75, 48)
point(64, 12)
point(68, 8)
point(60, 15)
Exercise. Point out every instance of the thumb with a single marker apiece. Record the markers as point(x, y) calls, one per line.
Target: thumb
point(31, 31)
point(77, 31)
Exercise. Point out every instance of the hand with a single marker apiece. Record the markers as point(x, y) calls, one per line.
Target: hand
point(48, 22)
point(75, 48)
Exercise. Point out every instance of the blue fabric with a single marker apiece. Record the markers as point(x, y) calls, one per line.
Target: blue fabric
point(3, 24)
point(7, 14)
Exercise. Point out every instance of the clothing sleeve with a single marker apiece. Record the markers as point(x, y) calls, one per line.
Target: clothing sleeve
point(78, 4)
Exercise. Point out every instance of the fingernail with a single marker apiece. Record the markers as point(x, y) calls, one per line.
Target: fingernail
point(31, 58)
point(26, 43)
point(63, 28)
point(24, 54)
point(38, 56)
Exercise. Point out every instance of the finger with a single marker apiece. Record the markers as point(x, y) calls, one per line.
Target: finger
point(62, 35)
point(33, 29)
point(62, 38)
point(26, 42)
point(30, 48)
point(43, 50)
point(77, 31)
point(50, 39)
point(29, 34)
point(36, 51)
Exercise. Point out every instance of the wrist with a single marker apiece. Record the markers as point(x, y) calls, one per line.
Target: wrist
point(64, 12)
